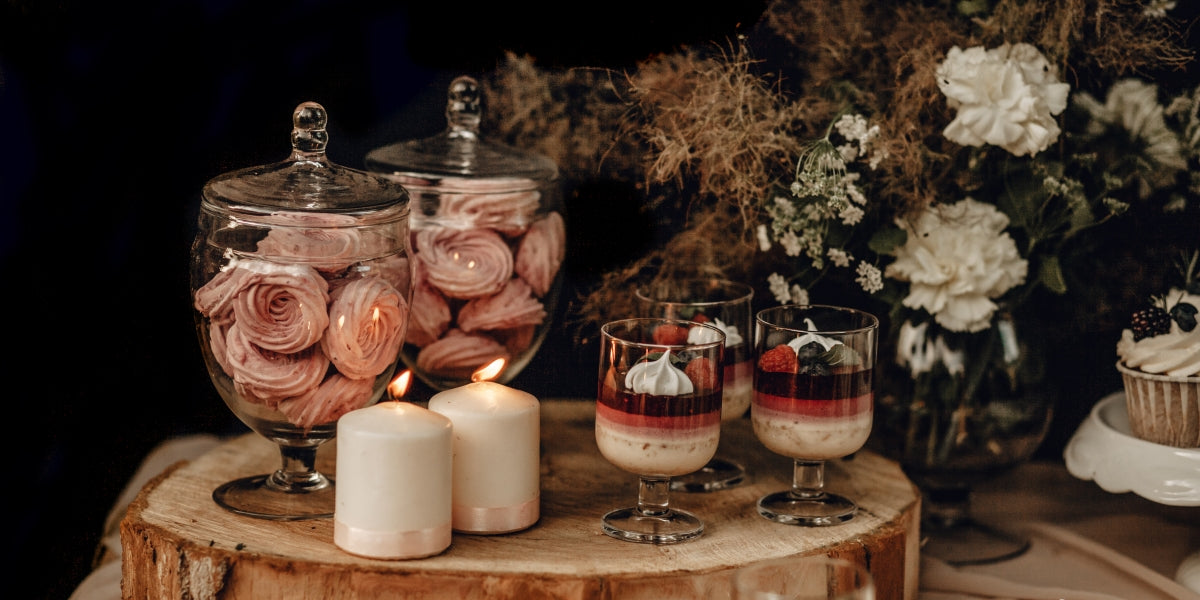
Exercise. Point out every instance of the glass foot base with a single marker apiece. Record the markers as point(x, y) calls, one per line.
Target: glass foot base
point(256, 497)
point(815, 511)
point(672, 527)
point(970, 543)
point(718, 474)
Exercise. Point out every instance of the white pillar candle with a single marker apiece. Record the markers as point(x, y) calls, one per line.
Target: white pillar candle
point(496, 456)
point(394, 480)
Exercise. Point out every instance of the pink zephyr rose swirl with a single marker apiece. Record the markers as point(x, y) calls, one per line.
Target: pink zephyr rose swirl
point(329, 242)
point(335, 397)
point(215, 298)
point(464, 264)
point(467, 203)
point(541, 253)
point(282, 307)
point(512, 307)
point(459, 354)
point(429, 316)
point(367, 319)
point(267, 377)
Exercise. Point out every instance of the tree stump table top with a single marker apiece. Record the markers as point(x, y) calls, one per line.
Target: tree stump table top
point(178, 543)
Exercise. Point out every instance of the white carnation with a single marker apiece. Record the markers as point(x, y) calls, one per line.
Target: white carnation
point(1005, 96)
point(957, 260)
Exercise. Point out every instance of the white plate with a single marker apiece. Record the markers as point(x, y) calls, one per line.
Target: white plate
point(1105, 450)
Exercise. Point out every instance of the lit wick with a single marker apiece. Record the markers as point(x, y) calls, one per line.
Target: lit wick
point(489, 371)
point(399, 386)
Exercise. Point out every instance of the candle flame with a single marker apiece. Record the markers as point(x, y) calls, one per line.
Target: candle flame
point(489, 371)
point(399, 386)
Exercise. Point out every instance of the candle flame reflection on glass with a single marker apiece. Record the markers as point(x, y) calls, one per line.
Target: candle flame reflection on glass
point(399, 386)
point(489, 371)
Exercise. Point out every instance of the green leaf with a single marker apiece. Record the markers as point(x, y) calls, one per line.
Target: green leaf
point(887, 239)
point(1051, 275)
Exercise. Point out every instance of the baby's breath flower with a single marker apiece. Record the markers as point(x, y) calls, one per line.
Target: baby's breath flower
point(798, 295)
point(778, 287)
point(839, 257)
point(1157, 9)
point(869, 277)
point(764, 238)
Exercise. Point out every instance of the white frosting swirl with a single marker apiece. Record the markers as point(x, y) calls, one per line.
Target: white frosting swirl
point(703, 335)
point(1175, 353)
point(801, 341)
point(658, 377)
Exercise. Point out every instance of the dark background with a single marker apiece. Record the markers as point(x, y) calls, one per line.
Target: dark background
point(112, 118)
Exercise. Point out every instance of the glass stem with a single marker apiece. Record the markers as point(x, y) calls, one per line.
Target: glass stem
point(808, 478)
point(654, 496)
point(298, 472)
point(947, 507)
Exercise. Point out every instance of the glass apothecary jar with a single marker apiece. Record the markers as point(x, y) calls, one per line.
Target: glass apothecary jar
point(301, 285)
point(488, 243)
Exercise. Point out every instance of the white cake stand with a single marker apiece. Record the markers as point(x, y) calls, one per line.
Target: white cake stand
point(1105, 450)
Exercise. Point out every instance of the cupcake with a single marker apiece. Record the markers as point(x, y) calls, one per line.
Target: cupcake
point(1160, 367)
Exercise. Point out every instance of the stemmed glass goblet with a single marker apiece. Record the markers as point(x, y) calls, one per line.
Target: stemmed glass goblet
point(658, 415)
point(301, 287)
point(813, 402)
point(727, 305)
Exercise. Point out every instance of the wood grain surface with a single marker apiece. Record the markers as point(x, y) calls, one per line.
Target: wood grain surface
point(177, 543)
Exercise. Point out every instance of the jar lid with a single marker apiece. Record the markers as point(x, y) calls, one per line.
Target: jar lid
point(458, 152)
point(307, 180)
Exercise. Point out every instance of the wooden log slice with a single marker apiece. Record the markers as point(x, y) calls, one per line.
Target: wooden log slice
point(177, 543)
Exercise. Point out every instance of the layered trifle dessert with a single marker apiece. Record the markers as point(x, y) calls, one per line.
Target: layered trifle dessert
point(812, 399)
point(662, 417)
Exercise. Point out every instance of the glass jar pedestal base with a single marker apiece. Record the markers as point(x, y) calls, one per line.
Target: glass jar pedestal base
point(949, 532)
point(260, 497)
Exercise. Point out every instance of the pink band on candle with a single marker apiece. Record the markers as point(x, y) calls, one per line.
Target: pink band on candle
point(505, 519)
point(391, 544)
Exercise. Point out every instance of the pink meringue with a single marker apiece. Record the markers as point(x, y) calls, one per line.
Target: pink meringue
point(271, 376)
point(458, 354)
point(281, 308)
point(541, 253)
point(464, 263)
point(367, 320)
point(513, 306)
point(335, 397)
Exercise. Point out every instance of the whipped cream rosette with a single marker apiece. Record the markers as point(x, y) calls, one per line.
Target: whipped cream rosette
point(489, 238)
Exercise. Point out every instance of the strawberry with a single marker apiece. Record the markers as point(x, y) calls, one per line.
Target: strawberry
point(700, 317)
point(703, 374)
point(670, 335)
point(780, 359)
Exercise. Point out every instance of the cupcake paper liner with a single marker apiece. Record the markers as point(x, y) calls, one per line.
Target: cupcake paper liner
point(1163, 409)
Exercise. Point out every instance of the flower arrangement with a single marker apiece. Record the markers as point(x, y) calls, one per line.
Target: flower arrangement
point(941, 162)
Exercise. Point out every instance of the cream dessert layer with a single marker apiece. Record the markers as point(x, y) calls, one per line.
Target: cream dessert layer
point(665, 446)
point(813, 436)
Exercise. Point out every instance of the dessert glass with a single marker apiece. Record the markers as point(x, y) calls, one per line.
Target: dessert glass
point(727, 305)
point(301, 288)
point(813, 402)
point(488, 243)
point(658, 415)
